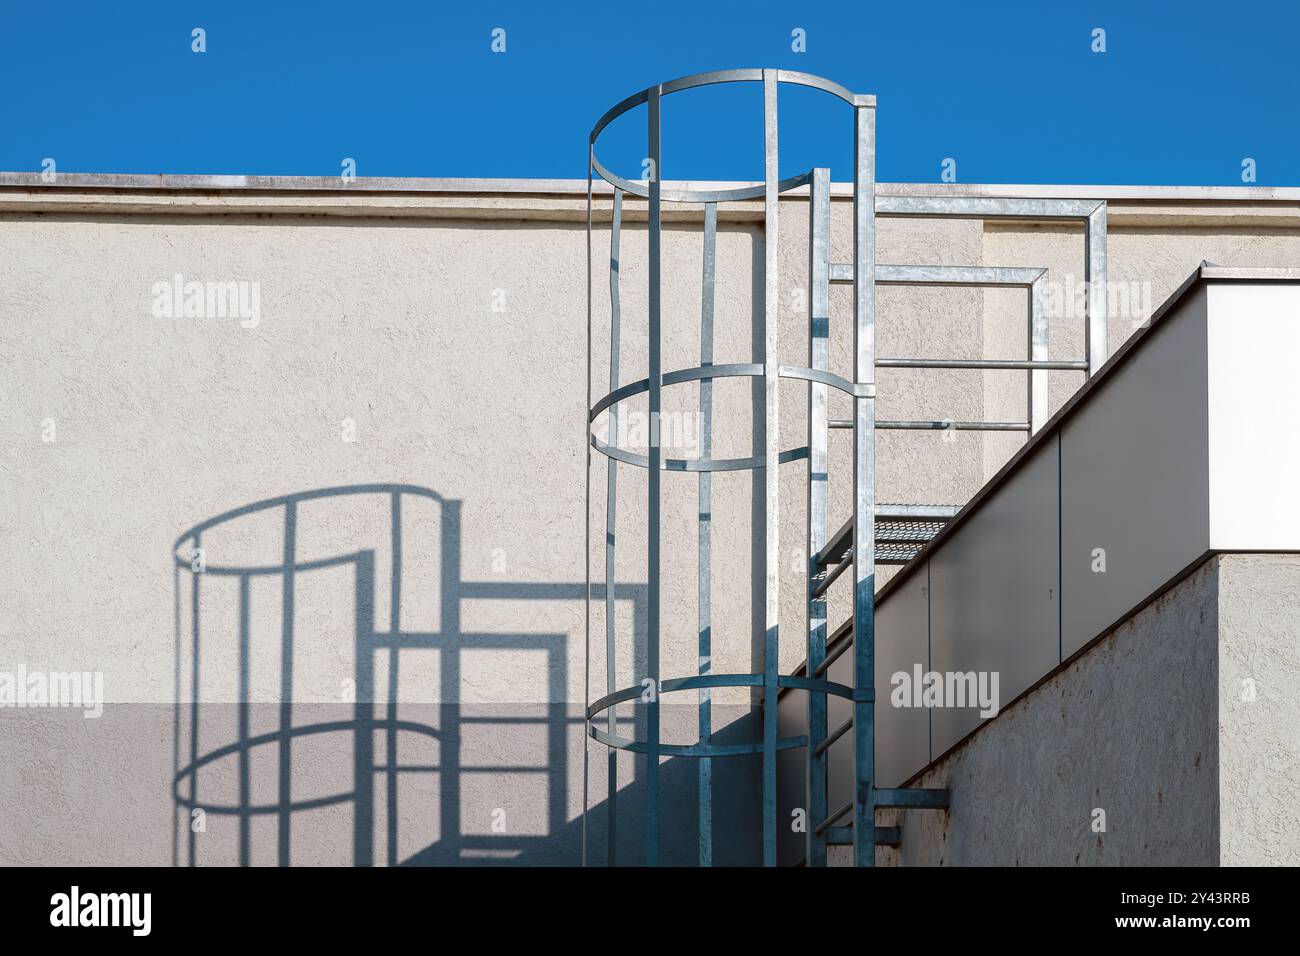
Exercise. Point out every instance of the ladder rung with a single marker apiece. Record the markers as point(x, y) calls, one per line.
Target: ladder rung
point(839, 732)
point(835, 572)
point(833, 817)
point(842, 273)
point(843, 634)
point(1009, 364)
point(938, 425)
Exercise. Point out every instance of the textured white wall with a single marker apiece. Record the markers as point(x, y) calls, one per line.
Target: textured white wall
point(1259, 709)
point(380, 310)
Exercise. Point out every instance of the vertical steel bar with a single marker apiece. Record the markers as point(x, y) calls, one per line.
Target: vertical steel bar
point(1095, 276)
point(655, 375)
point(245, 764)
point(178, 811)
point(394, 666)
point(192, 850)
point(864, 485)
point(1038, 352)
point(611, 510)
point(586, 536)
point(285, 818)
point(705, 584)
point(819, 209)
point(363, 710)
point(772, 523)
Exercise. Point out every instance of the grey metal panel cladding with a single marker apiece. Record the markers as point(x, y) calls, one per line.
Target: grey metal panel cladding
point(993, 593)
point(1135, 478)
point(902, 641)
point(791, 776)
point(902, 733)
point(839, 757)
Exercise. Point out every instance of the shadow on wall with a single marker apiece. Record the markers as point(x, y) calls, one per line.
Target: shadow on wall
point(335, 719)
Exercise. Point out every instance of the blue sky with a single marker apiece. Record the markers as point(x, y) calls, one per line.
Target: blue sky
point(1011, 91)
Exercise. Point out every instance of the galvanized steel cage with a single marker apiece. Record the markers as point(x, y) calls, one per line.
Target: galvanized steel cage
point(856, 546)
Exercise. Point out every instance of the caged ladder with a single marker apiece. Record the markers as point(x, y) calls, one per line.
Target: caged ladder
point(873, 534)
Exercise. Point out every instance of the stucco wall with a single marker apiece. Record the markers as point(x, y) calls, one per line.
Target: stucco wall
point(429, 349)
point(1259, 709)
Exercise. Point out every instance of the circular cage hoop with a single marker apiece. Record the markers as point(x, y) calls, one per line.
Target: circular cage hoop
point(700, 682)
point(695, 81)
point(708, 373)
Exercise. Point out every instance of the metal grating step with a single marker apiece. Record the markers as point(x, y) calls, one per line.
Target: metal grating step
point(901, 531)
point(899, 553)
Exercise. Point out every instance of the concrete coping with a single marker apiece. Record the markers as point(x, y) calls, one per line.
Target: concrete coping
point(565, 200)
point(184, 182)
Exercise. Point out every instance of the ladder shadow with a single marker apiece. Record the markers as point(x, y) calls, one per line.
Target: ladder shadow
point(268, 770)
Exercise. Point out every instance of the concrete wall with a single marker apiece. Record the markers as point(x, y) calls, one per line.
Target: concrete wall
point(1259, 708)
point(425, 348)
point(1170, 741)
